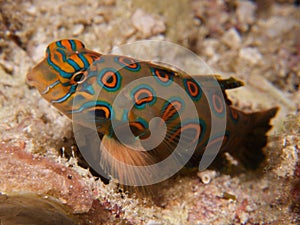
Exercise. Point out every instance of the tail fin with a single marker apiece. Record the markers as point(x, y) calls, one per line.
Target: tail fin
point(252, 155)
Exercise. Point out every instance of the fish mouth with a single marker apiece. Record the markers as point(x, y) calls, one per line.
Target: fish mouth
point(30, 81)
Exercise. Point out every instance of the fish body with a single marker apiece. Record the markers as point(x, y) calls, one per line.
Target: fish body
point(149, 106)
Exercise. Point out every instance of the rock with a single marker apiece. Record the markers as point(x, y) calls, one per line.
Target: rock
point(251, 55)
point(31, 10)
point(206, 176)
point(147, 24)
point(26, 173)
point(289, 161)
point(78, 29)
point(277, 26)
point(32, 209)
point(245, 14)
point(98, 19)
point(153, 222)
point(232, 38)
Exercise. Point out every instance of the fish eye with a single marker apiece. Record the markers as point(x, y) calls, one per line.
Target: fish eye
point(78, 77)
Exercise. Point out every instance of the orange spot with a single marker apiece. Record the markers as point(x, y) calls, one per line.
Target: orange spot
point(171, 109)
point(137, 125)
point(224, 139)
point(109, 75)
point(194, 126)
point(104, 109)
point(142, 100)
point(192, 88)
point(132, 64)
point(163, 77)
point(177, 105)
point(217, 103)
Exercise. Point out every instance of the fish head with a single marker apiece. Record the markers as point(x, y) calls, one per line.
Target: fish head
point(63, 68)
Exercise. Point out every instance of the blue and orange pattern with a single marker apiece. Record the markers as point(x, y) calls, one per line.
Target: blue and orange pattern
point(70, 68)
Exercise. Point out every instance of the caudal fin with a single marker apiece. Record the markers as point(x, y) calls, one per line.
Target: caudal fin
point(251, 155)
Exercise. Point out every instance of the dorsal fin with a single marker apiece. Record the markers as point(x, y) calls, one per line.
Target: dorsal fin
point(209, 80)
point(215, 81)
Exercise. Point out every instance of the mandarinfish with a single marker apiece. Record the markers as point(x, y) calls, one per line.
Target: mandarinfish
point(120, 96)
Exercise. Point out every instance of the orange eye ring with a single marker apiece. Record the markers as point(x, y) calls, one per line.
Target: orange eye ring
point(78, 77)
